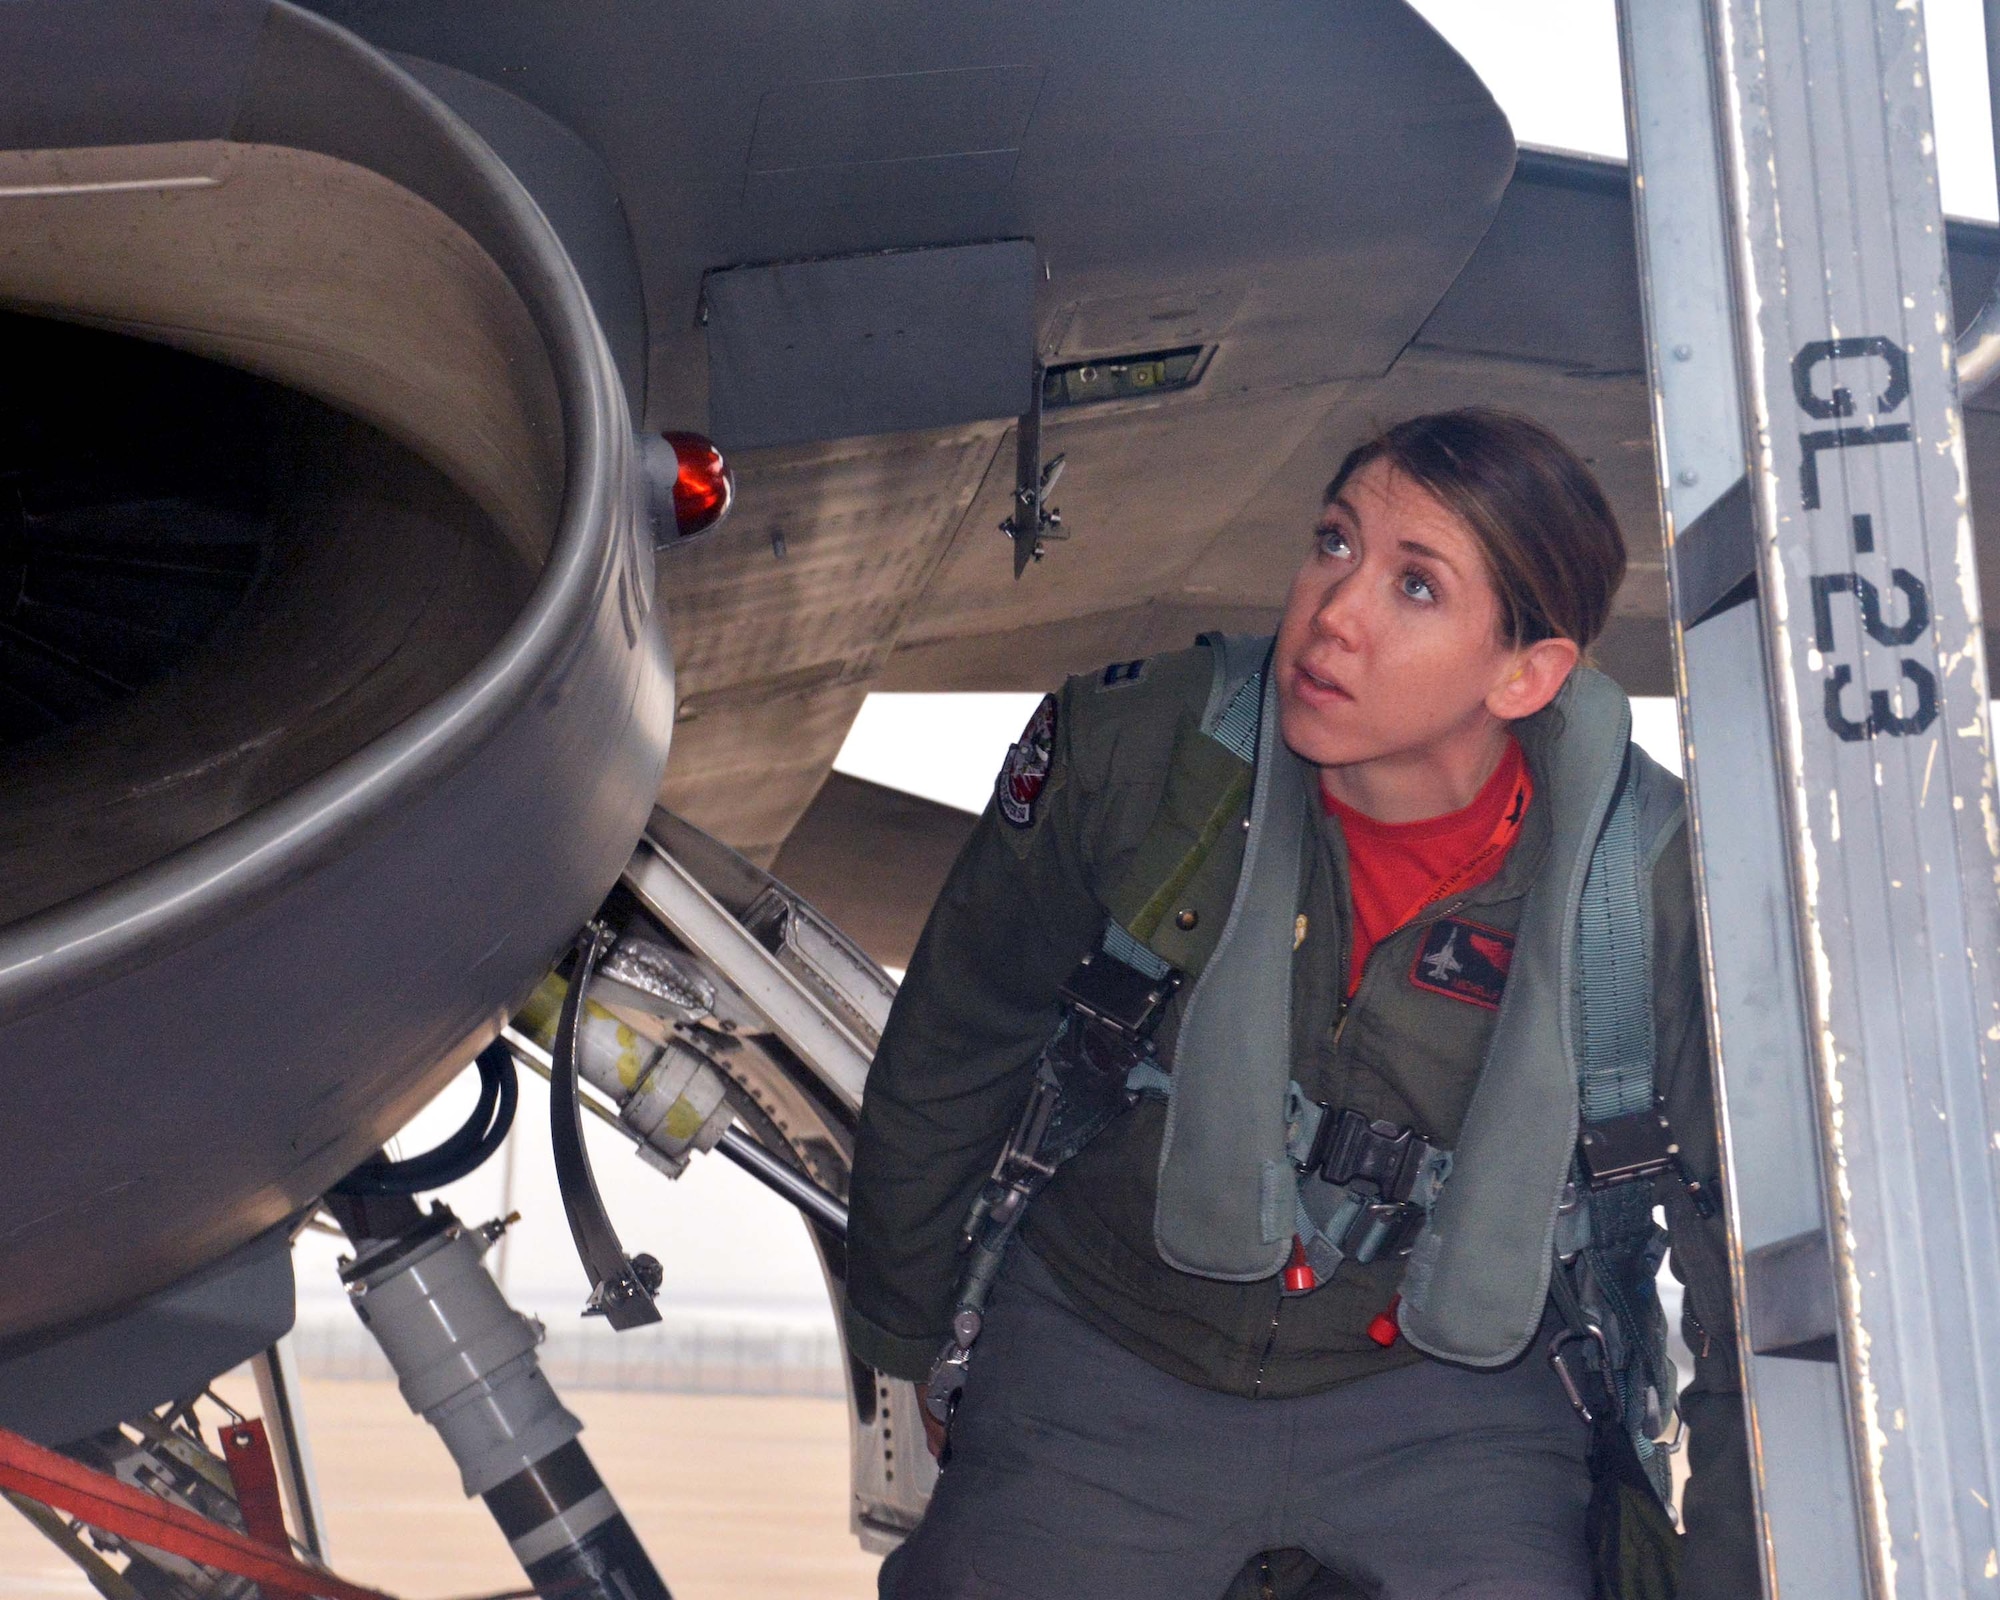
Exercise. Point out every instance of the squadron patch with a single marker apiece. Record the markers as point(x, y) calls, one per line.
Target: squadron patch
point(1465, 961)
point(1026, 768)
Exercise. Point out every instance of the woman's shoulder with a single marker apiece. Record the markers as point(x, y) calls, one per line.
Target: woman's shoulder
point(1123, 718)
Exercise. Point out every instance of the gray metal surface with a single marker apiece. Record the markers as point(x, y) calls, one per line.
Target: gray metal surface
point(887, 342)
point(1849, 803)
point(768, 1170)
point(575, 191)
point(777, 968)
point(1294, 183)
point(194, 1050)
point(1154, 213)
point(1757, 1017)
point(873, 859)
point(831, 1040)
point(75, 1381)
point(154, 75)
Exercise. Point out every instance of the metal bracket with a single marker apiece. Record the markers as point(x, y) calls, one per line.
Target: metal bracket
point(621, 1287)
point(1034, 519)
point(276, 1372)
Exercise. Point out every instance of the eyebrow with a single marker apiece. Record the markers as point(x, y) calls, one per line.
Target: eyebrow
point(1414, 547)
point(1425, 550)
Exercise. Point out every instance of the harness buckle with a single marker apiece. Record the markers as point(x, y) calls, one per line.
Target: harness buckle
point(1106, 991)
point(1626, 1149)
point(1386, 1227)
point(946, 1382)
point(1348, 1149)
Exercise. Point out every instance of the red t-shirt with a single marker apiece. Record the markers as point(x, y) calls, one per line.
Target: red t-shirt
point(1395, 869)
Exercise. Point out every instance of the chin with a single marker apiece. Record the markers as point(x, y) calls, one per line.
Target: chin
point(1308, 734)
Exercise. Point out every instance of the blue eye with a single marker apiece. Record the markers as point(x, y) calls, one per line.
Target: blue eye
point(1418, 587)
point(1333, 542)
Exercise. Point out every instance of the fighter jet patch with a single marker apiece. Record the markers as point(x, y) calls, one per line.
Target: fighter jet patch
point(1026, 768)
point(1465, 961)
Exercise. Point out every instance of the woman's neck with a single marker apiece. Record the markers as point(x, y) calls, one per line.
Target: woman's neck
point(1416, 785)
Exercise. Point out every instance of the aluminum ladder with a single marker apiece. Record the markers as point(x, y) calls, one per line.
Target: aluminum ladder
point(1833, 693)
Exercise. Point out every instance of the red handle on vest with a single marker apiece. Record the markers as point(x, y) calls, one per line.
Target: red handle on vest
point(1299, 1275)
point(1383, 1329)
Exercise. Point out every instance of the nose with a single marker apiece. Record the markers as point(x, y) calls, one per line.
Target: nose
point(1340, 616)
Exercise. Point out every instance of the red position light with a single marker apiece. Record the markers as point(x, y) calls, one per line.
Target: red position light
point(704, 487)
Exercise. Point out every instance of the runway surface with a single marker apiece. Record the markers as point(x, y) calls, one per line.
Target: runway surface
point(742, 1497)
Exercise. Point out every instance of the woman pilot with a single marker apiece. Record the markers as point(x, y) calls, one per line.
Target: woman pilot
point(1358, 925)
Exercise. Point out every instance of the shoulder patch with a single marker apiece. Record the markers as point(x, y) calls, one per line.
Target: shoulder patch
point(1465, 961)
point(1026, 769)
point(1122, 672)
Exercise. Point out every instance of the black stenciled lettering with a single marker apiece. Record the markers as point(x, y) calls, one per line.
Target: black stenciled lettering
point(1864, 534)
point(1844, 726)
point(1916, 602)
point(1840, 401)
point(1839, 439)
point(1883, 716)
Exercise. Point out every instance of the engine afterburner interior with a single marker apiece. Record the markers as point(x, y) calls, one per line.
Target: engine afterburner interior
point(265, 491)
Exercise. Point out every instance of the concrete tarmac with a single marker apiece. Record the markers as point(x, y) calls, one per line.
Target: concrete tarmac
point(743, 1497)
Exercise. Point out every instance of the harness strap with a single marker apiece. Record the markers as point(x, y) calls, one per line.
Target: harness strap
point(1614, 948)
point(1606, 1241)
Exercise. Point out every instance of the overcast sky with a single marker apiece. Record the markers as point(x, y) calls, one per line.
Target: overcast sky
point(731, 1250)
point(1553, 66)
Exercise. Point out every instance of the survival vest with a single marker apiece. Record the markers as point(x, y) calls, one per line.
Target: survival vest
point(1521, 1211)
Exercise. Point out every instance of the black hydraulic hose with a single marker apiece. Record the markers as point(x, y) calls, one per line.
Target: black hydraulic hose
point(463, 1152)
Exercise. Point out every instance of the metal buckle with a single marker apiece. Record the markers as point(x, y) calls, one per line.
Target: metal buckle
point(1591, 1332)
point(1625, 1149)
point(1105, 990)
point(1387, 1227)
point(946, 1382)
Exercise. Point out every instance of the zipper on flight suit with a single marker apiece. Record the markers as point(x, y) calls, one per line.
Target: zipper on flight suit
point(1437, 913)
point(1341, 942)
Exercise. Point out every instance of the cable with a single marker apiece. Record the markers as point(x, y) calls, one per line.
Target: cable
point(463, 1152)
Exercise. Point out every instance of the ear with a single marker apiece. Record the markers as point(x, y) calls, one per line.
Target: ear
point(1539, 672)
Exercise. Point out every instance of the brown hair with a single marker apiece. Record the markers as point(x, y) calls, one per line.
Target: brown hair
point(1551, 542)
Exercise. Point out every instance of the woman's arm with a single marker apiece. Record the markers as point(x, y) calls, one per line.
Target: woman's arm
point(1720, 1559)
point(978, 1003)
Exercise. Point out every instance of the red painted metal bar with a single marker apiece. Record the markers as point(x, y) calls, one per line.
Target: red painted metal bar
point(247, 1450)
point(117, 1508)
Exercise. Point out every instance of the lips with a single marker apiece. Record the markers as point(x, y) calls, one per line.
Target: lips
point(1315, 686)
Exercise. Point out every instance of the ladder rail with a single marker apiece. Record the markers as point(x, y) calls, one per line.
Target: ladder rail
point(1757, 1020)
point(1846, 827)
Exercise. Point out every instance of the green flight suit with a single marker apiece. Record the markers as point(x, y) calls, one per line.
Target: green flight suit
point(1131, 794)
